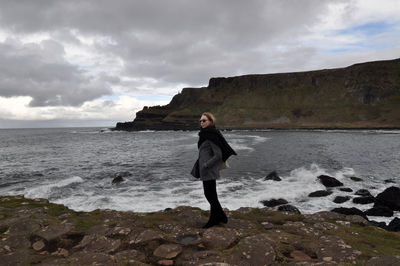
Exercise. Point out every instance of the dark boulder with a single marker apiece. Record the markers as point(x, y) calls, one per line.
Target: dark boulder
point(274, 202)
point(379, 211)
point(364, 200)
point(394, 225)
point(387, 181)
point(350, 211)
point(288, 208)
point(356, 179)
point(363, 193)
point(329, 181)
point(117, 180)
point(390, 198)
point(341, 199)
point(346, 189)
point(273, 176)
point(378, 224)
point(320, 193)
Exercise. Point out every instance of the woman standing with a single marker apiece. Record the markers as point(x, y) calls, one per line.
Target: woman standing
point(213, 151)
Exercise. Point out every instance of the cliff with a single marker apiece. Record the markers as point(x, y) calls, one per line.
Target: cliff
point(42, 233)
point(363, 95)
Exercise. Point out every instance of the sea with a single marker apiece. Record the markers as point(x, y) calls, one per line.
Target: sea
point(76, 167)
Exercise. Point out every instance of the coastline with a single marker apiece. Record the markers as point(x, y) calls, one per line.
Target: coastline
point(36, 231)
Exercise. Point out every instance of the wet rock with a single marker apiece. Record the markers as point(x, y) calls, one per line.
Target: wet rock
point(273, 176)
point(383, 261)
point(363, 193)
point(356, 179)
point(346, 189)
point(299, 255)
point(333, 248)
point(117, 180)
point(378, 224)
point(219, 237)
point(394, 225)
point(168, 251)
point(349, 211)
point(390, 197)
point(379, 211)
point(189, 239)
point(320, 193)
point(288, 208)
point(253, 250)
point(145, 236)
point(341, 199)
point(387, 181)
point(274, 202)
point(329, 181)
point(364, 200)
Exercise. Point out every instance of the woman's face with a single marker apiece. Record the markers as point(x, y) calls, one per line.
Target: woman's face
point(204, 122)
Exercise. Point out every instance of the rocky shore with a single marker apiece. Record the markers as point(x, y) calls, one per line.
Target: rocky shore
point(36, 232)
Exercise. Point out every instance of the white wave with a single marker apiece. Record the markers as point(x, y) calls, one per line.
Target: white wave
point(44, 190)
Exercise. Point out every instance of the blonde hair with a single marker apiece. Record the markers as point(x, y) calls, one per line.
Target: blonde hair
point(210, 117)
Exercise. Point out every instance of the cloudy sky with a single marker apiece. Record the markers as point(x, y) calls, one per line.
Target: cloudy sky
point(93, 63)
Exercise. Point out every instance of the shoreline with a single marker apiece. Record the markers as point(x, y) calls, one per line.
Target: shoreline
point(35, 231)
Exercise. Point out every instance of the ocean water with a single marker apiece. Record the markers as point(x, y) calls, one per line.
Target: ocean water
point(76, 166)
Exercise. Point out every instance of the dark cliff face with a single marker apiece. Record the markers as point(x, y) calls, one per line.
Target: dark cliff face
point(360, 96)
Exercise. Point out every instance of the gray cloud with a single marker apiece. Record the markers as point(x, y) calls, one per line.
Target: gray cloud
point(40, 71)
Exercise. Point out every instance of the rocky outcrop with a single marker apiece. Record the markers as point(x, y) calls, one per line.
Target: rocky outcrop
point(38, 232)
point(359, 96)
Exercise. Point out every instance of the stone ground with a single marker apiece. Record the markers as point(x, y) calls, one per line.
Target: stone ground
point(35, 232)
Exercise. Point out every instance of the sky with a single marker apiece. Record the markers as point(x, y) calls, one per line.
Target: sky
point(90, 63)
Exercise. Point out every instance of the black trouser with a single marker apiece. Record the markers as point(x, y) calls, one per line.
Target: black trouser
point(210, 191)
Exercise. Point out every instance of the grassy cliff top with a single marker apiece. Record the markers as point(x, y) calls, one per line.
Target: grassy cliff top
point(38, 232)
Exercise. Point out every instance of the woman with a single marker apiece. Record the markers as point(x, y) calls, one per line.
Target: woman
point(213, 151)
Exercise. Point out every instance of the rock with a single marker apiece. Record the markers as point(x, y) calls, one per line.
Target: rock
point(394, 225)
point(387, 181)
point(364, 200)
point(390, 197)
point(356, 219)
point(356, 179)
point(165, 262)
point(117, 180)
point(346, 189)
point(325, 226)
point(379, 211)
point(299, 255)
point(274, 202)
point(188, 239)
point(91, 258)
point(383, 261)
point(349, 211)
point(38, 246)
point(363, 192)
point(267, 225)
point(329, 181)
point(273, 176)
point(378, 224)
point(320, 193)
point(54, 232)
point(168, 251)
point(60, 252)
point(145, 236)
point(219, 237)
point(288, 208)
point(104, 245)
point(334, 248)
point(23, 226)
point(130, 255)
point(253, 250)
point(341, 199)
